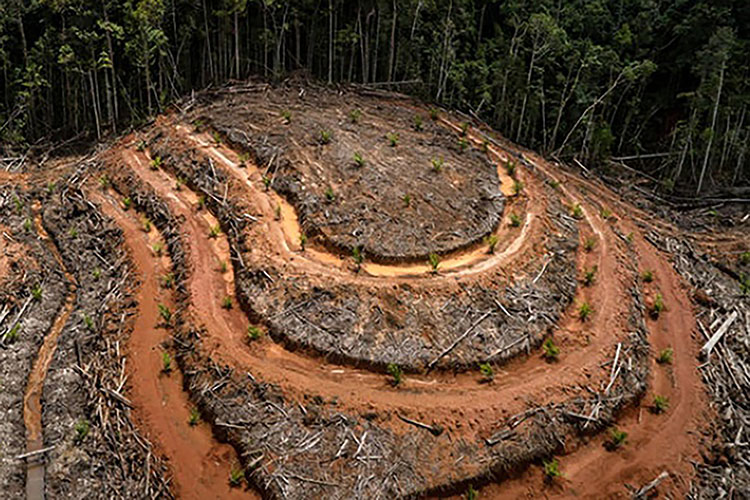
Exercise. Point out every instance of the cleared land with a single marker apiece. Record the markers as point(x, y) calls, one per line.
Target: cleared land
point(235, 299)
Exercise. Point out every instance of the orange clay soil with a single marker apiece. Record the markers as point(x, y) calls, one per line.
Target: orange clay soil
point(162, 408)
point(455, 401)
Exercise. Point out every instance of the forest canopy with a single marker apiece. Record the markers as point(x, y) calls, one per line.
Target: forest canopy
point(658, 84)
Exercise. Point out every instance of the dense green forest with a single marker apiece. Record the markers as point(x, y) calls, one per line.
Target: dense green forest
point(663, 85)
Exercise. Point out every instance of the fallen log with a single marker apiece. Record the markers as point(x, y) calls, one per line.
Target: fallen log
point(708, 346)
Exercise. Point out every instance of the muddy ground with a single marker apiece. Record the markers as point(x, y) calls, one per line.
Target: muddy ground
point(198, 347)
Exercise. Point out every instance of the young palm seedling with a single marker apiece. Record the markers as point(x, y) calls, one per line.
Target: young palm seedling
point(214, 231)
point(236, 475)
point(243, 159)
point(254, 333)
point(359, 160)
point(745, 258)
point(357, 257)
point(166, 362)
point(396, 374)
point(330, 195)
point(434, 114)
point(464, 129)
point(88, 321)
point(156, 163)
point(392, 138)
point(658, 306)
point(82, 430)
point(550, 351)
point(647, 276)
point(355, 115)
point(167, 281)
point(434, 261)
point(463, 144)
point(36, 292)
point(165, 313)
point(266, 182)
point(665, 356)
point(127, 202)
point(617, 438)
point(606, 213)
point(222, 266)
point(577, 211)
point(517, 187)
point(195, 417)
point(146, 225)
point(510, 167)
point(660, 404)
point(12, 334)
point(158, 248)
point(515, 220)
point(277, 212)
point(437, 164)
point(589, 276)
point(552, 469)
point(226, 302)
point(589, 244)
point(96, 273)
point(302, 241)
point(584, 311)
point(216, 137)
point(287, 116)
point(491, 242)
point(418, 124)
point(407, 200)
point(325, 137)
point(488, 374)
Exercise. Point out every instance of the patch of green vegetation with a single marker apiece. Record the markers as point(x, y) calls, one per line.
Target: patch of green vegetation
point(577, 211)
point(215, 231)
point(236, 475)
point(254, 333)
point(396, 374)
point(226, 302)
point(589, 244)
point(550, 351)
point(88, 321)
point(744, 284)
point(81, 428)
point(287, 116)
point(647, 276)
point(463, 144)
point(104, 181)
point(488, 373)
point(406, 199)
point(605, 213)
point(745, 258)
point(195, 417)
point(434, 261)
point(437, 164)
point(491, 242)
point(302, 241)
point(267, 182)
point(355, 115)
point(418, 122)
point(167, 281)
point(660, 404)
point(325, 137)
point(434, 113)
point(392, 138)
point(73, 232)
point(358, 159)
point(156, 163)
point(18, 204)
point(145, 224)
point(510, 167)
point(158, 248)
point(96, 273)
point(27, 225)
point(358, 257)
point(127, 202)
point(552, 469)
point(165, 313)
point(584, 311)
point(464, 129)
point(12, 334)
point(330, 195)
point(517, 187)
point(665, 356)
point(617, 438)
point(589, 276)
point(36, 292)
point(166, 362)
point(216, 136)
point(658, 306)
point(471, 493)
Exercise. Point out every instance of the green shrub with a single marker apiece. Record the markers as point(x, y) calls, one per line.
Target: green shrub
point(254, 333)
point(165, 313)
point(82, 428)
point(577, 211)
point(437, 164)
point(236, 475)
point(359, 160)
point(665, 356)
point(491, 242)
point(658, 306)
point(418, 125)
point(617, 438)
point(584, 311)
point(434, 261)
point(166, 362)
point(195, 417)
point(392, 138)
point(488, 374)
point(396, 374)
point(660, 404)
point(552, 469)
point(550, 351)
